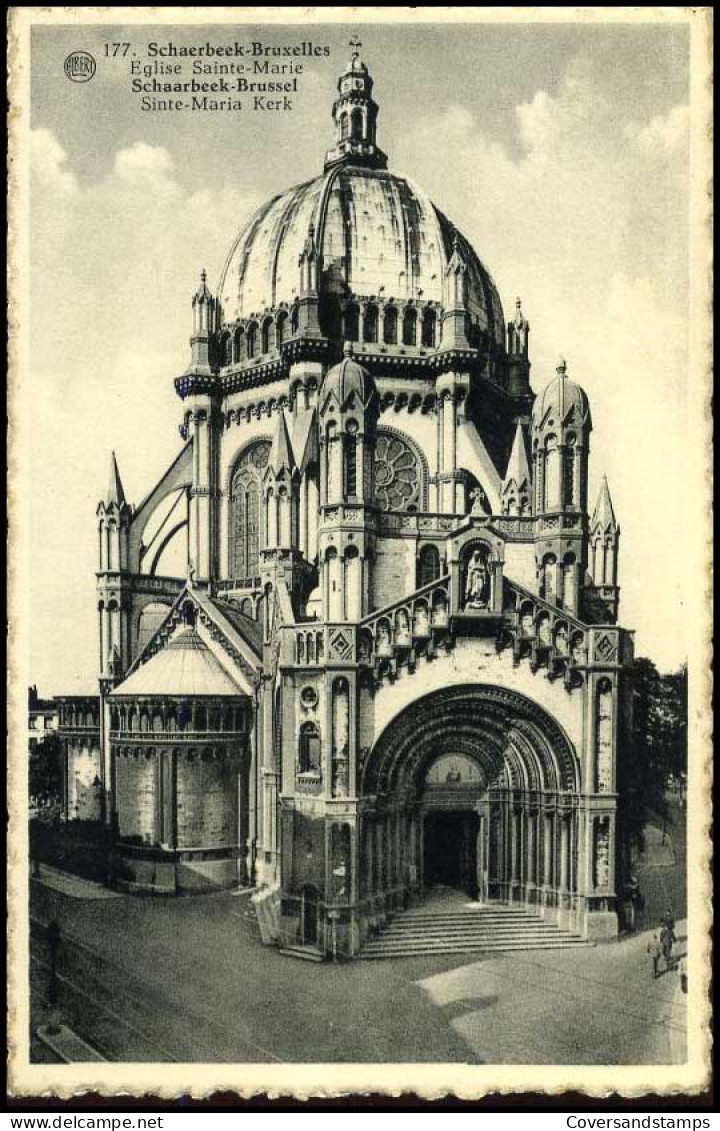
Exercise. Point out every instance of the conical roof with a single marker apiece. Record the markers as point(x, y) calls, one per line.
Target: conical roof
point(115, 492)
point(604, 514)
point(518, 469)
point(281, 456)
point(184, 667)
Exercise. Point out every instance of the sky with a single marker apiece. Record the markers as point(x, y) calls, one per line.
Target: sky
point(561, 151)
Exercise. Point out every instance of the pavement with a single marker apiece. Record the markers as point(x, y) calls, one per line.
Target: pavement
point(187, 979)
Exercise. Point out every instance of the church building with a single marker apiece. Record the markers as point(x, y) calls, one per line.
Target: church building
point(390, 661)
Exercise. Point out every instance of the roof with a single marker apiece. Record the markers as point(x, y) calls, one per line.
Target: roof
point(378, 233)
point(184, 667)
point(604, 514)
point(518, 469)
point(561, 397)
point(248, 628)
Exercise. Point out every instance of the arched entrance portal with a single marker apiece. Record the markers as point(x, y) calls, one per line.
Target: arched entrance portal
point(474, 787)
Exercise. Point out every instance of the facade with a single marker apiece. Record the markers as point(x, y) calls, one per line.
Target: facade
point(393, 659)
point(42, 717)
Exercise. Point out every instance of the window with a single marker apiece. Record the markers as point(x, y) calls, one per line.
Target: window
point(410, 327)
point(428, 328)
point(352, 323)
point(309, 753)
point(371, 324)
point(350, 464)
point(390, 326)
point(245, 489)
point(428, 565)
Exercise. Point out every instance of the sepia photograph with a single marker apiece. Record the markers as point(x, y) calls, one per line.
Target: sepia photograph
point(360, 585)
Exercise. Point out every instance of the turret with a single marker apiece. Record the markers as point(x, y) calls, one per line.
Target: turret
point(561, 426)
point(310, 264)
point(518, 334)
point(355, 116)
point(281, 491)
point(604, 546)
point(516, 493)
point(204, 312)
point(114, 517)
point(455, 312)
point(348, 410)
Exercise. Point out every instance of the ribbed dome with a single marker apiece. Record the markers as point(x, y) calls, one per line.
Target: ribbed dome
point(345, 380)
point(378, 234)
point(558, 398)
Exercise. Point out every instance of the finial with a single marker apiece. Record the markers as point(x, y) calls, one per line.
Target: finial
point(203, 276)
point(518, 303)
point(355, 43)
point(348, 349)
point(561, 368)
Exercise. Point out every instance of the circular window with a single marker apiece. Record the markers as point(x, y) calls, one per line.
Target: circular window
point(308, 696)
point(397, 475)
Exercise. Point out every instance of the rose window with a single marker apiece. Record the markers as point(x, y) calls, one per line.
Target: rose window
point(397, 475)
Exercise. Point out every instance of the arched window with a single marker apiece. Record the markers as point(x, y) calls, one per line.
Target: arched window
point(350, 457)
point(343, 126)
point(265, 338)
point(226, 349)
point(371, 324)
point(294, 320)
point(352, 323)
point(251, 340)
point(568, 470)
point(429, 323)
point(390, 326)
point(428, 565)
point(356, 125)
point(309, 752)
point(280, 328)
point(238, 344)
point(245, 488)
point(410, 326)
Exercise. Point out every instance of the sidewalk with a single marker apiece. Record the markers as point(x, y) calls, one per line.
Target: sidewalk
point(73, 886)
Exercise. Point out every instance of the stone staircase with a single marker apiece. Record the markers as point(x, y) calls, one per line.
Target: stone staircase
point(463, 927)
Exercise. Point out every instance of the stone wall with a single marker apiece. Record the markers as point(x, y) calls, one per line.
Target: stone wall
point(84, 795)
point(207, 802)
point(135, 796)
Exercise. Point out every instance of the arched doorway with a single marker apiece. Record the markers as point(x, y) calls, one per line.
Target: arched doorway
point(476, 787)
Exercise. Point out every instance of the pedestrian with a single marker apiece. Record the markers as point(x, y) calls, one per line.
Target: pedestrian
point(655, 950)
point(666, 943)
point(669, 922)
point(683, 974)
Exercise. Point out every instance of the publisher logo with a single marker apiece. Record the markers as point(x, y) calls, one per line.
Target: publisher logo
point(80, 66)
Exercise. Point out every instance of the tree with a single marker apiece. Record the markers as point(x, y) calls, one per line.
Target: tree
point(46, 770)
point(655, 751)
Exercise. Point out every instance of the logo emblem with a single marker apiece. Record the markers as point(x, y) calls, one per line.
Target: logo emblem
point(80, 66)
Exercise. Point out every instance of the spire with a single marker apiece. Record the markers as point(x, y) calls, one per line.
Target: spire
point(202, 294)
point(115, 493)
point(354, 115)
point(604, 515)
point(281, 453)
point(518, 468)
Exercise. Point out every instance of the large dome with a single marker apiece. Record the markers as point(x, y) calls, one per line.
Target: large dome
point(378, 234)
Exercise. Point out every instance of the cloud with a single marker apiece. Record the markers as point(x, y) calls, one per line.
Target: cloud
point(114, 266)
point(47, 163)
point(583, 212)
point(664, 134)
point(145, 165)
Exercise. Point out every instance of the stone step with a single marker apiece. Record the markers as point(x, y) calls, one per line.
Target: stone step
point(401, 936)
point(307, 954)
point(407, 950)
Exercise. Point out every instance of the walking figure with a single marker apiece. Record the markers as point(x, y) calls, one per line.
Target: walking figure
point(669, 922)
point(655, 950)
point(666, 942)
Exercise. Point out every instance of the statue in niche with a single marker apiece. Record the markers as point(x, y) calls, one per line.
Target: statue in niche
point(477, 584)
point(561, 640)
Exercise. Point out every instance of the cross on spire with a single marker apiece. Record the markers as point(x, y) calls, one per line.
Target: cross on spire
point(355, 43)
